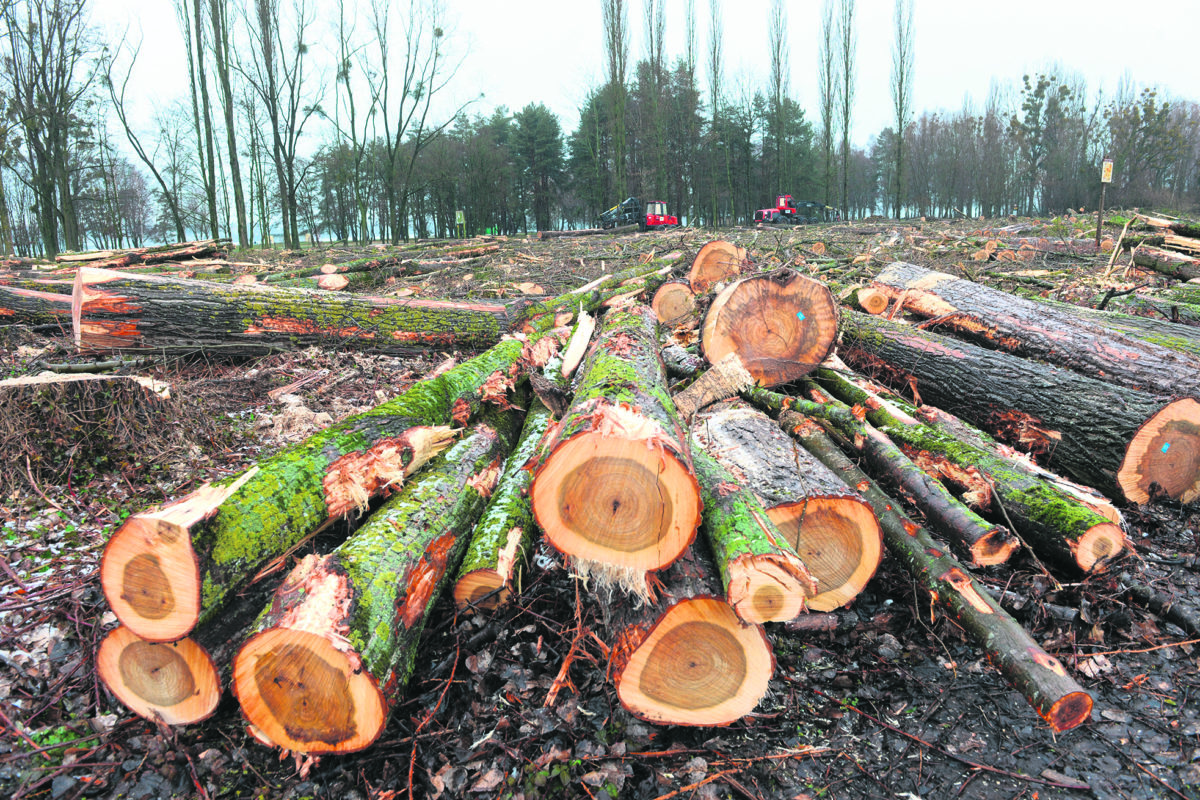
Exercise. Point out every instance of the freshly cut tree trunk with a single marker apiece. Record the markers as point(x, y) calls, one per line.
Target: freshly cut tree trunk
point(781, 326)
point(1141, 318)
point(494, 562)
point(764, 579)
point(116, 259)
point(334, 649)
point(826, 523)
point(1057, 526)
point(616, 486)
point(1177, 226)
point(33, 302)
point(1004, 321)
point(871, 300)
point(1126, 443)
point(674, 303)
point(164, 571)
point(715, 262)
point(119, 311)
point(686, 658)
point(1036, 674)
point(1168, 262)
point(174, 682)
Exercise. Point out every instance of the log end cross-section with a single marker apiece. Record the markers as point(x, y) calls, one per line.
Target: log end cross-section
point(174, 682)
point(1163, 457)
point(715, 262)
point(698, 665)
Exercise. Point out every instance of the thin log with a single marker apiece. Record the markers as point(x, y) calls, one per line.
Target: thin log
point(587, 231)
point(1128, 444)
point(332, 652)
point(674, 303)
point(1037, 675)
point(781, 326)
point(1027, 328)
point(174, 682)
point(1167, 262)
point(1177, 226)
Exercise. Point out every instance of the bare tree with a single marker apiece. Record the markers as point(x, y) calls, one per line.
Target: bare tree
point(655, 19)
point(778, 48)
point(827, 94)
point(902, 76)
point(846, 43)
point(218, 15)
point(615, 16)
point(192, 22)
point(353, 129)
point(715, 68)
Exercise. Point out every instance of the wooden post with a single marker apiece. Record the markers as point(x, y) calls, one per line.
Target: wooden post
point(1106, 169)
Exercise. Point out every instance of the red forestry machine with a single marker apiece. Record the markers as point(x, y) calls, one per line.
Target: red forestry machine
point(790, 212)
point(630, 211)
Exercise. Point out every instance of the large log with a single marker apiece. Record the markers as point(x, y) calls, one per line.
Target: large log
point(118, 311)
point(825, 522)
point(1027, 328)
point(1177, 226)
point(334, 649)
point(1168, 262)
point(685, 658)
point(172, 682)
point(33, 301)
point(1039, 676)
point(1170, 308)
point(616, 486)
point(165, 570)
point(715, 262)
point(1126, 443)
point(781, 326)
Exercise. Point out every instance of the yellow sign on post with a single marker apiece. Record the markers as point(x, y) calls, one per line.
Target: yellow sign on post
point(1106, 171)
point(460, 223)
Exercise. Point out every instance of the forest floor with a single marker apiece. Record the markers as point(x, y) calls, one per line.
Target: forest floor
point(895, 703)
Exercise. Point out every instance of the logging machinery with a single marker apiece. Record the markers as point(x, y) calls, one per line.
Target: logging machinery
point(630, 211)
point(792, 212)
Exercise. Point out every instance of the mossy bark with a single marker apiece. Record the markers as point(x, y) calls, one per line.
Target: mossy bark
point(115, 311)
point(1036, 674)
point(355, 616)
point(1167, 262)
point(233, 528)
point(641, 279)
point(1003, 321)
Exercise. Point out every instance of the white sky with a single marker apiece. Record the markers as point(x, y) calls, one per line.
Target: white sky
point(521, 51)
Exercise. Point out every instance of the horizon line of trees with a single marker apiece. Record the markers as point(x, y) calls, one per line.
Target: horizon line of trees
point(270, 143)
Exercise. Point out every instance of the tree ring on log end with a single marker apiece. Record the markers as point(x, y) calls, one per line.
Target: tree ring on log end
point(305, 694)
point(840, 542)
point(175, 682)
point(146, 588)
point(618, 501)
point(481, 589)
point(996, 547)
point(1069, 711)
point(1098, 545)
point(1163, 457)
point(699, 665)
point(151, 579)
point(781, 326)
point(768, 588)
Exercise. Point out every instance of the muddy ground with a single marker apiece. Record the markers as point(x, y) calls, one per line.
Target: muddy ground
point(894, 703)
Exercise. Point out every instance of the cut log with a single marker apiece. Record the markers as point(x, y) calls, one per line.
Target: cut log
point(674, 303)
point(1168, 309)
point(686, 658)
point(826, 523)
point(1057, 526)
point(1128, 444)
point(494, 562)
point(588, 231)
point(617, 486)
point(33, 302)
point(164, 571)
point(1036, 674)
point(1176, 226)
point(871, 300)
point(722, 381)
point(715, 262)
point(334, 649)
point(1003, 321)
point(1168, 262)
point(119, 311)
point(173, 682)
point(764, 579)
point(115, 259)
point(781, 326)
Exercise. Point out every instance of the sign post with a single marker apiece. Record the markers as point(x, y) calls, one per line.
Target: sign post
point(460, 224)
point(1106, 169)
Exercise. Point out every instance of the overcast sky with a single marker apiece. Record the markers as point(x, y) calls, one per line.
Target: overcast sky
point(521, 51)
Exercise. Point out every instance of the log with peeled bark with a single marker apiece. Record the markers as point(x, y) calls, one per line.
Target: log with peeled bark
point(781, 325)
point(674, 303)
point(824, 521)
point(1128, 444)
point(119, 311)
point(1056, 525)
point(1037, 675)
point(495, 558)
point(1003, 321)
point(335, 647)
point(685, 658)
point(764, 579)
point(175, 682)
point(616, 485)
point(166, 570)
point(715, 262)
point(1167, 262)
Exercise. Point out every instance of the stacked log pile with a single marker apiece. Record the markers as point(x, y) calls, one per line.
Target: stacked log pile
point(694, 524)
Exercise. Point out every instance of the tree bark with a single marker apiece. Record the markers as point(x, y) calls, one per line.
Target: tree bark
point(781, 326)
point(1168, 262)
point(1026, 328)
point(174, 682)
point(1126, 443)
point(1036, 674)
point(586, 232)
point(120, 311)
point(685, 658)
point(33, 301)
point(1180, 227)
point(616, 486)
point(166, 570)
point(335, 647)
point(826, 523)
